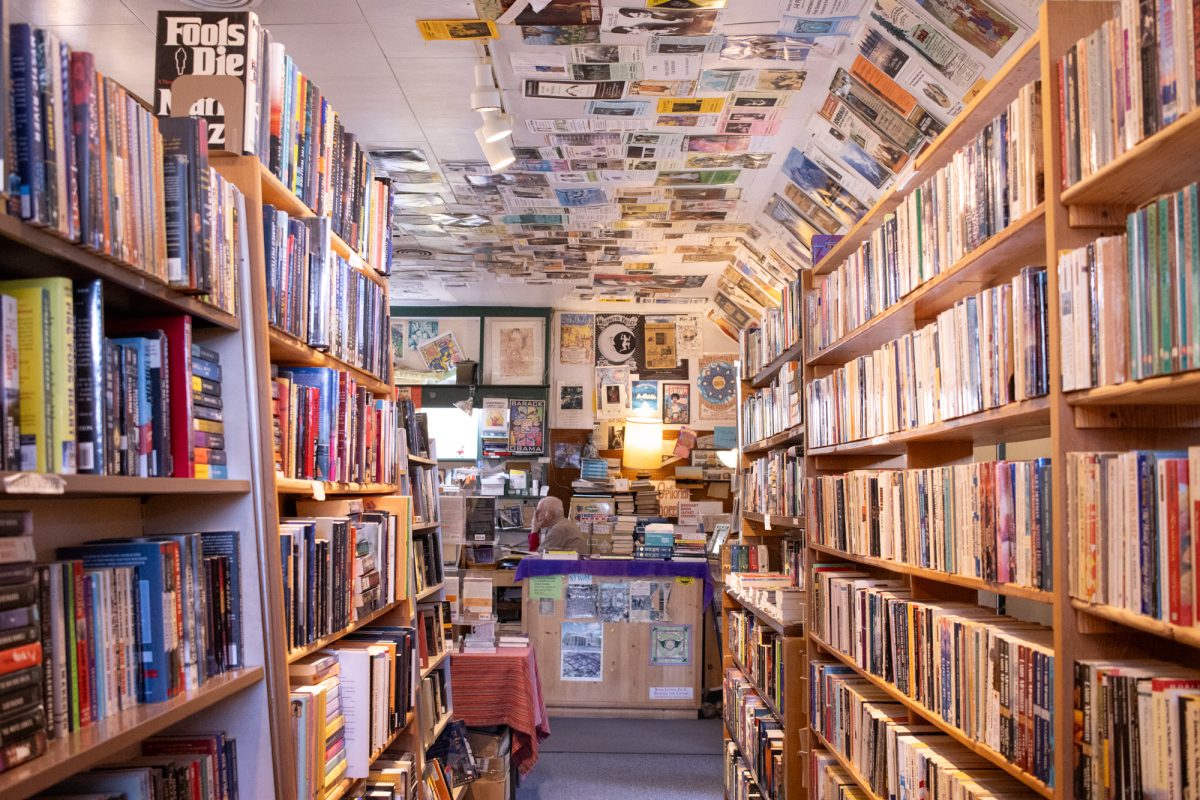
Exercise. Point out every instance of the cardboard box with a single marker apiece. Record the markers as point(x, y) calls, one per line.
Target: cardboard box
point(491, 753)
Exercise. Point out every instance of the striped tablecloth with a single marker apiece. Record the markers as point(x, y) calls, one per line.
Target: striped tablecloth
point(502, 688)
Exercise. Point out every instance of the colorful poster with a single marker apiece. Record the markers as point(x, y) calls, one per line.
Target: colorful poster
point(644, 398)
point(611, 386)
point(456, 29)
point(527, 426)
point(421, 331)
point(619, 340)
point(495, 418)
point(716, 384)
point(661, 359)
point(442, 353)
point(575, 337)
point(687, 336)
point(670, 645)
point(571, 410)
point(676, 403)
point(398, 327)
point(582, 652)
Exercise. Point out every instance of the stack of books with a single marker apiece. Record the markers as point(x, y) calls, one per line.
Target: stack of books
point(393, 778)
point(27, 689)
point(624, 503)
point(690, 543)
point(622, 537)
point(318, 723)
point(206, 407)
point(645, 502)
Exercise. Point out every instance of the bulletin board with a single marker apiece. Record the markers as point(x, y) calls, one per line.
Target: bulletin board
point(630, 684)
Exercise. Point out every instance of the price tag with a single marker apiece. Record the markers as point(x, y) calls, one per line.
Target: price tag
point(34, 483)
point(767, 521)
point(318, 490)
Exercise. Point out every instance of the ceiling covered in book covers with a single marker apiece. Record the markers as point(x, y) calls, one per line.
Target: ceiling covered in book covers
point(670, 154)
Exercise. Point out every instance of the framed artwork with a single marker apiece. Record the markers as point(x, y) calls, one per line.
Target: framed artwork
point(515, 352)
point(676, 403)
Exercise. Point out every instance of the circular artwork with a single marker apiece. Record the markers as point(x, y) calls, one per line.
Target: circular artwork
point(716, 382)
point(616, 342)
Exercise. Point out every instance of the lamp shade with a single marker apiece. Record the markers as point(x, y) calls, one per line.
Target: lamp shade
point(498, 153)
point(485, 96)
point(643, 444)
point(496, 125)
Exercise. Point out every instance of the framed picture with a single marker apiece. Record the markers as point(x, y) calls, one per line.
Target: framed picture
point(515, 351)
point(707, 459)
point(676, 403)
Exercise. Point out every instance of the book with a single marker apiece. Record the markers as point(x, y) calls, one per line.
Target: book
point(91, 449)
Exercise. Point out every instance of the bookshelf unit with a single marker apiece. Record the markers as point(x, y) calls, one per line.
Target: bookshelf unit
point(1158, 412)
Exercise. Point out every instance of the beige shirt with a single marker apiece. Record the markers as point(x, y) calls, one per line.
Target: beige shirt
point(564, 535)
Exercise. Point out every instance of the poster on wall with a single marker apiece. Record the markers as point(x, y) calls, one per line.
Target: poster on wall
point(644, 398)
point(582, 649)
point(526, 426)
point(515, 351)
point(398, 331)
point(576, 334)
point(676, 403)
point(716, 383)
point(571, 410)
point(421, 331)
point(619, 341)
point(611, 387)
point(687, 335)
point(442, 353)
point(670, 645)
point(661, 356)
point(495, 418)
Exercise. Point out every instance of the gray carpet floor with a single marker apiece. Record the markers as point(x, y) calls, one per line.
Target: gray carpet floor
point(627, 759)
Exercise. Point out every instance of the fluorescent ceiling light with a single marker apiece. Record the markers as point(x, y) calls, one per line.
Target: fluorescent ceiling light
point(496, 125)
point(499, 154)
point(485, 96)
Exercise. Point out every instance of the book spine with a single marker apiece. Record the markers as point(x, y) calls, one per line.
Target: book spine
point(89, 378)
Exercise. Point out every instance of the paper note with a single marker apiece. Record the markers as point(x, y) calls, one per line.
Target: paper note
point(545, 587)
point(670, 692)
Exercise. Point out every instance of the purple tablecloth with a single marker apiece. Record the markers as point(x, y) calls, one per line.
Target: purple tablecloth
point(606, 568)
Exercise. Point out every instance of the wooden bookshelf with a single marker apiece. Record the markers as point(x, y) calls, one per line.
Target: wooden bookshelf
point(793, 628)
point(318, 489)
point(428, 592)
point(428, 462)
point(1181, 388)
point(765, 375)
point(763, 790)
point(308, 649)
point(900, 568)
point(290, 351)
point(793, 435)
point(1184, 634)
point(32, 484)
point(436, 662)
point(998, 259)
point(979, 748)
point(774, 520)
point(848, 765)
point(425, 526)
point(111, 737)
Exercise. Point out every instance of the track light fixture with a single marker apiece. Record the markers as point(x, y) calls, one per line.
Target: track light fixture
point(485, 96)
point(499, 153)
point(496, 125)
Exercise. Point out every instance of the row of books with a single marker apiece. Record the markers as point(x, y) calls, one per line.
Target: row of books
point(740, 782)
point(1132, 519)
point(1127, 80)
point(74, 399)
point(988, 520)
point(282, 117)
point(1136, 730)
point(1131, 305)
point(986, 351)
point(776, 407)
point(97, 168)
point(775, 594)
point(990, 183)
point(759, 650)
point(829, 780)
point(756, 730)
point(319, 297)
point(774, 484)
point(889, 749)
point(427, 559)
point(416, 425)
point(349, 700)
point(988, 675)
point(339, 567)
point(203, 766)
point(424, 489)
point(778, 329)
point(328, 428)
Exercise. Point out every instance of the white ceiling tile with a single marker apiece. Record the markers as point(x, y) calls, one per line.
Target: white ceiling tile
point(438, 91)
point(74, 12)
point(325, 51)
point(395, 26)
point(124, 53)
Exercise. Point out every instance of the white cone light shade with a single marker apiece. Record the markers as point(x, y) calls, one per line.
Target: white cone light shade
point(485, 96)
point(499, 154)
point(643, 444)
point(496, 125)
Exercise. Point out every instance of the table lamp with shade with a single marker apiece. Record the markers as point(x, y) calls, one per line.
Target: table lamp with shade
point(643, 444)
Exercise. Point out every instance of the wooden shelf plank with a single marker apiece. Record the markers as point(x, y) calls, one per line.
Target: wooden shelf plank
point(1028, 419)
point(106, 739)
point(436, 662)
point(1187, 635)
point(309, 488)
point(782, 628)
point(1023, 68)
point(422, 460)
point(428, 592)
point(1006, 589)
point(847, 765)
point(438, 728)
point(325, 641)
point(31, 252)
point(276, 193)
point(1156, 165)
point(793, 435)
point(290, 351)
point(1179, 388)
point(776, 520)
point(27, 484)
point(765, 375)
point(998, 259)
point(959, 736)
point(425, 526)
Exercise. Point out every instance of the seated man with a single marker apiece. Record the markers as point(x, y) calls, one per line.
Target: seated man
point(558, 532)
